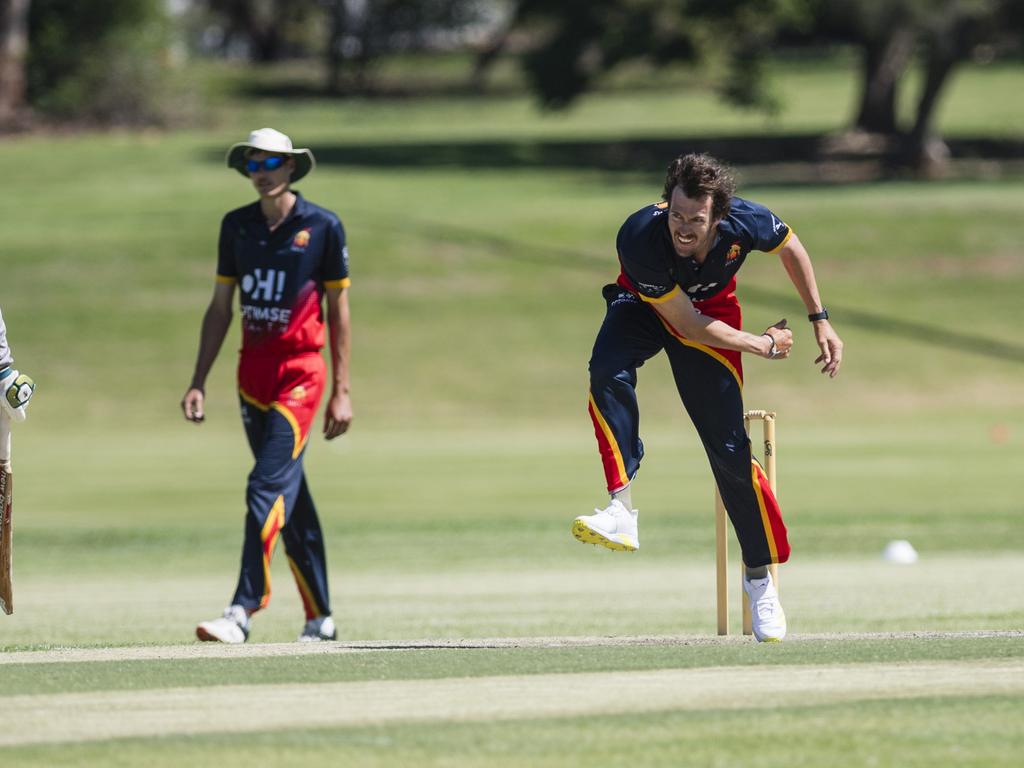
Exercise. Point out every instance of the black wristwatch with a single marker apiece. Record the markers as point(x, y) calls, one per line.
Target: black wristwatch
point(823, 315)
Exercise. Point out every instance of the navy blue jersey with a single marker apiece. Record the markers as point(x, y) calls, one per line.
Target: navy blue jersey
point(652, 268)
point(282, 274)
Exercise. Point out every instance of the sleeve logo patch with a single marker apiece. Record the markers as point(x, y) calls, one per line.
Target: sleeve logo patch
point(733, 253)
point(655, 290)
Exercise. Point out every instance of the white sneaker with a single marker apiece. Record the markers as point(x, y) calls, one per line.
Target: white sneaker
point(767, 618)
point(319, 629)
point(232, 627)
point(613, 527)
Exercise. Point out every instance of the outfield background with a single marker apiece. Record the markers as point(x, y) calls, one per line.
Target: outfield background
point(476, 295)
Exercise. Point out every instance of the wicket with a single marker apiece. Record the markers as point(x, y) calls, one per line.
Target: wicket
point(767, 419)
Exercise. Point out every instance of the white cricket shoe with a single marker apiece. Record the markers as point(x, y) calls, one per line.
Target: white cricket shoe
point(232, 627)
point(613, 527)
point(766, 616)
point(318, 629)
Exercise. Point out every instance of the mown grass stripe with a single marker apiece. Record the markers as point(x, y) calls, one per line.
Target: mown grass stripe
point(79, 717)
point(251, 665)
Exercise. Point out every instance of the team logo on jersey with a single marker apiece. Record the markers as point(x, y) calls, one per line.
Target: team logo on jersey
point(301, 239)
point(298, 393)
point(733, 253)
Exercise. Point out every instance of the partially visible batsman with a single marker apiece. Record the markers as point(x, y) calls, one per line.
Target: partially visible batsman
point(15, 391)
point(676, 292)
point(288, 258)
point(16, 388)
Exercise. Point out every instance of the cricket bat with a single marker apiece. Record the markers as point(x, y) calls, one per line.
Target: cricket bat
point(6, 482)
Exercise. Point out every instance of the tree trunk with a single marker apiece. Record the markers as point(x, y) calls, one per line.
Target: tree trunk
point(334, 56)
point(486, 57)
point(884, 62)
point(922, 151)
point(260, 26)
point(949, 43)
point(13, 48)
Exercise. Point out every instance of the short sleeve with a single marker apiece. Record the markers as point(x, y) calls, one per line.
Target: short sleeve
point(767, 231)
point(641, 263)
point(227, 267)
point(334, 270)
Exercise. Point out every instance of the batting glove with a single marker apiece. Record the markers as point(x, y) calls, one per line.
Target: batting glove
point(17, 389)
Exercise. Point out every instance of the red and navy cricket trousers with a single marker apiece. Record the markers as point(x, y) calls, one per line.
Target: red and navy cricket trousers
point(710, 384)
point(279, 399)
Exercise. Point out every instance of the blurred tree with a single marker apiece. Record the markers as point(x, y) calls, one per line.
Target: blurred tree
point(576, 41)
point(335, 53)
point(886, 32)
point(98, 60)
point(951, 34)
point(361, 31)
point(269, 30)
point(940, 34)
point(13, 47)
point(494, 45)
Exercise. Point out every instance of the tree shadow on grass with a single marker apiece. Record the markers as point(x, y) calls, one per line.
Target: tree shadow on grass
point(792, 159)
point(875, 322)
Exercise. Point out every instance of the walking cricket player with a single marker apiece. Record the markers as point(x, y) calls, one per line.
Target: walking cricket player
point(676, 291)
point(286, 256)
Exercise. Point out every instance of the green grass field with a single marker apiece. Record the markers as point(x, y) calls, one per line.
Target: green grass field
point(475, 630)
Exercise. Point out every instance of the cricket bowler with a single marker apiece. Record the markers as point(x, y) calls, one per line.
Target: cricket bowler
point(676, 292)
point(287, 257)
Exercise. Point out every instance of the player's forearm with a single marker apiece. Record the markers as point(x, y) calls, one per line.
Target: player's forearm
point(340, 346)
point(685, 320)
point(338, 320)
point(797, 263)
point(215, 327)
point(724, 336)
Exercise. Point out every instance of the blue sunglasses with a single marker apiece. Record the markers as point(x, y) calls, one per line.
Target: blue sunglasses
point(271, 163)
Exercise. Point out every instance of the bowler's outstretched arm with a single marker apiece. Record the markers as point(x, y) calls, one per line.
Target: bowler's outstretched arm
point(797, 263)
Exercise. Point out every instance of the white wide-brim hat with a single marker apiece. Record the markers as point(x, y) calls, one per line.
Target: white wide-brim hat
point(274, 142)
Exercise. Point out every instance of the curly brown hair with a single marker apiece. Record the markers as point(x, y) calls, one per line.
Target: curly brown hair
point(700, 175)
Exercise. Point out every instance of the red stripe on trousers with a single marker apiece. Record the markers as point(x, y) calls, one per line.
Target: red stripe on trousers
point(777, 527)
point(611, 466)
